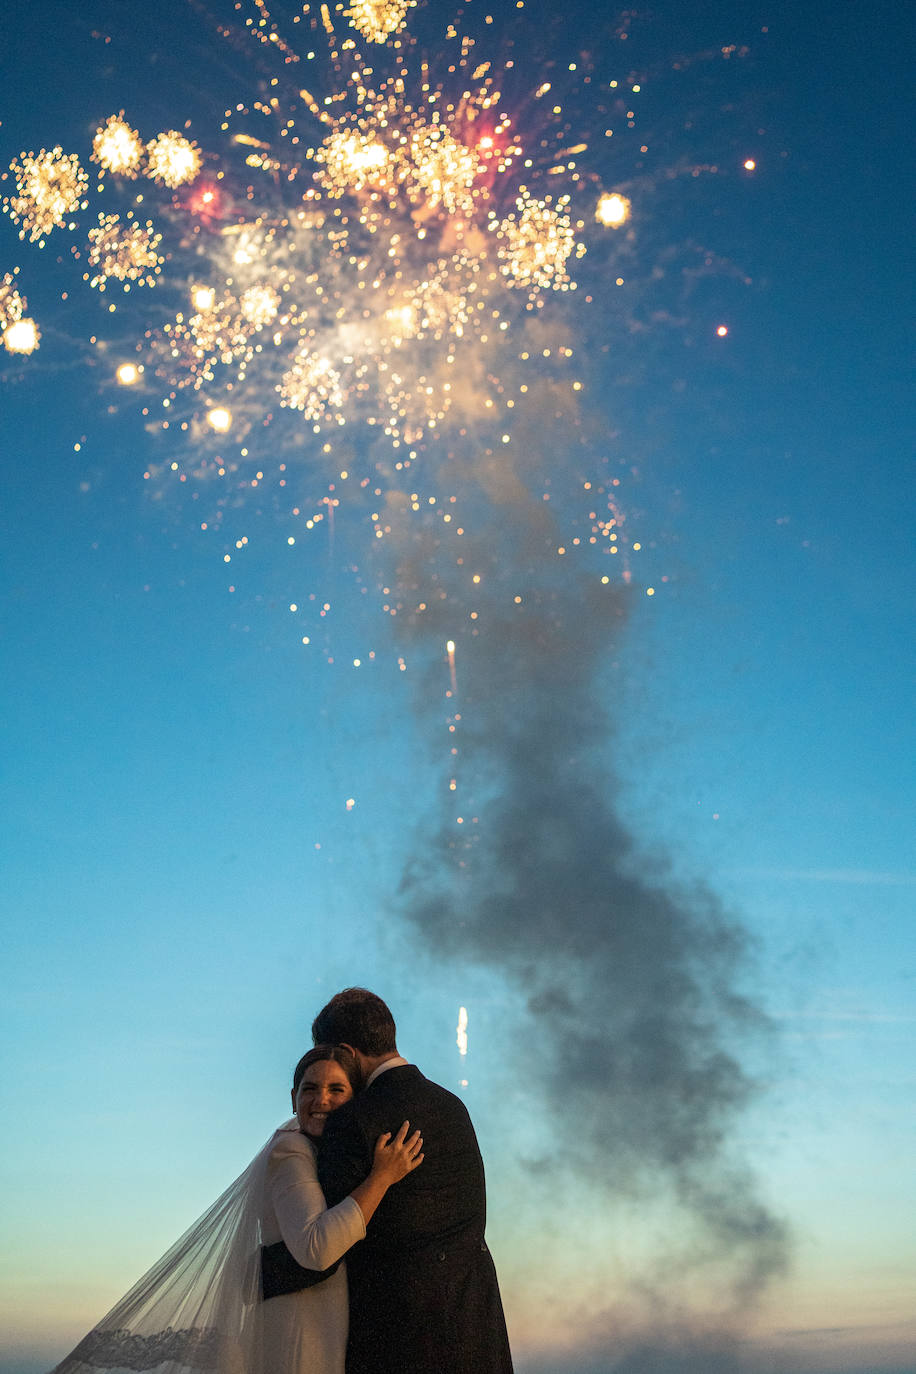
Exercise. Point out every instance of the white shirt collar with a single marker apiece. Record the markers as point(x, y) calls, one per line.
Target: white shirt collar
point(394, 1063)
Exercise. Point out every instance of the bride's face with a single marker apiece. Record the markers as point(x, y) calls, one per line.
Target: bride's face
point(323, 1089)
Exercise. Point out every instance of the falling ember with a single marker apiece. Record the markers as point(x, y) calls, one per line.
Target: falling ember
point(21, 336)
point(128, 374)
point(750, 165)
point(50, 186)
point(172, 159)
point(612, 210)
point(722, 330)
point(450, 650)
point(117, 147)
point(462, 1030)
point(220, 419)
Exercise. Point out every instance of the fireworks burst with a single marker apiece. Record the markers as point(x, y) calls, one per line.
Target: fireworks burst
point(313, 385)
point(535, 244)
point(377, 20)
point(117, 147)
point(372, 297)
point(376, 254)
point(50, 186)
point(172, 159)
point(123, 252)
point(259, 305)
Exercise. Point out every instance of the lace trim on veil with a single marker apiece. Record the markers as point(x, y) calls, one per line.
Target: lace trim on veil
point(191, 1348)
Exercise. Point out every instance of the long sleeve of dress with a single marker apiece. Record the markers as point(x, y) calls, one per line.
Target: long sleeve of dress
point(316, 1236)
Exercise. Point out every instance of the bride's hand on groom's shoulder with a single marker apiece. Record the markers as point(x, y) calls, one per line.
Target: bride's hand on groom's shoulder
point(396, 1156)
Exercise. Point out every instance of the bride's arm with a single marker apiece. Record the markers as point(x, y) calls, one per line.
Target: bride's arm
point(314, 1235)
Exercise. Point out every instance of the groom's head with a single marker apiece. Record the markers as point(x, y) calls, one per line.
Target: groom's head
point(358, 1019)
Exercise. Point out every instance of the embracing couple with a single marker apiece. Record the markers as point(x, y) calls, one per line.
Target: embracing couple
point(379, 1165)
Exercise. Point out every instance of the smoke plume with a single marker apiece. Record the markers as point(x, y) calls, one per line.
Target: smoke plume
point(629, 978)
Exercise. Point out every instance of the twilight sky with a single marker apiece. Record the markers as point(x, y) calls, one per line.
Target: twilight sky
point(673, 881)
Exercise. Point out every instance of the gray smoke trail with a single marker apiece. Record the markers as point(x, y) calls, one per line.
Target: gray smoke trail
point(630, 980)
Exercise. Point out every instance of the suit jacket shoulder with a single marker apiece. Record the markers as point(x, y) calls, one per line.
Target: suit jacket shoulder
point(444, 1197)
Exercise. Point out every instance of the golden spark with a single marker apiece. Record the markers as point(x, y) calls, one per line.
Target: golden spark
point(203, 297)
point(21, 336)
point(219, 419)
point(612, 210)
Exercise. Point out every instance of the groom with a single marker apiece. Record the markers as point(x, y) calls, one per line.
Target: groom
point(423, 1292)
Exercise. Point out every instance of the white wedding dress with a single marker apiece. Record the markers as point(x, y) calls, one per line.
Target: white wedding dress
point(199, 1308)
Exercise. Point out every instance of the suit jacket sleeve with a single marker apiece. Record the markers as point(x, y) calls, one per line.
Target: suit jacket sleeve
point(344, 1156)
point(315, 1236)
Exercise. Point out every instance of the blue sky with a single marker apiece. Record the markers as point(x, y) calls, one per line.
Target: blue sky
point(209, 825)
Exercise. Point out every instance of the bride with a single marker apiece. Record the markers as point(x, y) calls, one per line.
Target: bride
point(256, 1285)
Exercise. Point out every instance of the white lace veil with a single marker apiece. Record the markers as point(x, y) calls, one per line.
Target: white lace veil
point(198, 1307)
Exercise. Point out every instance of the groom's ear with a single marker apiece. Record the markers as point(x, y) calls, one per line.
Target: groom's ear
point(344, 1046)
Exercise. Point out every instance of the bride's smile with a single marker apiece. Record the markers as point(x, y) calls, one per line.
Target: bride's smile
point(323, 1089)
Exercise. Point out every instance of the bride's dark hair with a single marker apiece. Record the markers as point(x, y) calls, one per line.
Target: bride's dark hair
point(338, 1055)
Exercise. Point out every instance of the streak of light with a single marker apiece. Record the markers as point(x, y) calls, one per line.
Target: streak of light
point(462, 1031)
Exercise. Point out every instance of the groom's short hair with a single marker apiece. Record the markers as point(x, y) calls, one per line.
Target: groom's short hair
point(356, 1017)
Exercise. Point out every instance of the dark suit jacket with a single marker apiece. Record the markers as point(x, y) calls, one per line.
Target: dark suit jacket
point(423, 1292)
